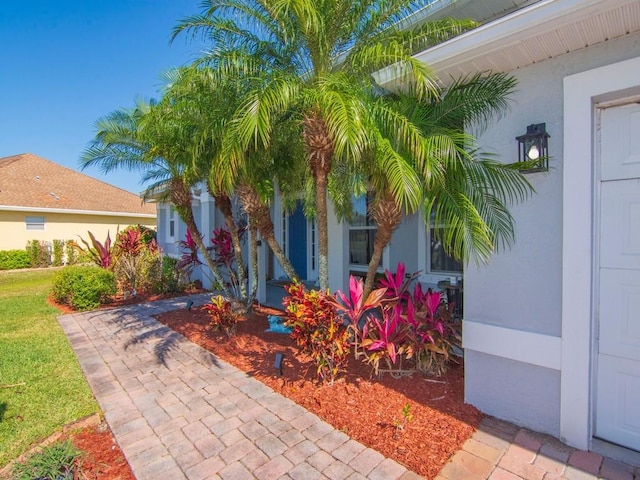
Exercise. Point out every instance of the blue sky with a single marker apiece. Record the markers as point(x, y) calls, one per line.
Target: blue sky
point(66, 63)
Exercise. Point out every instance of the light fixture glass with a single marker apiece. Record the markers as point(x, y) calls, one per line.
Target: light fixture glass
point(533, 148)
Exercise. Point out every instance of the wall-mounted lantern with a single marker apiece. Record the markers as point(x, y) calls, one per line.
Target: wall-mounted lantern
point(533, 148)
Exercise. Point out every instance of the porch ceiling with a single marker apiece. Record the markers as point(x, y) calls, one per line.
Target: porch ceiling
point(542, 30)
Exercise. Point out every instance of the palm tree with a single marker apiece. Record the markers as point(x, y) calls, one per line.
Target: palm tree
point(212, 101)
point(470, 193)
point(204, 111)
point(315, 60)
point(131, 139)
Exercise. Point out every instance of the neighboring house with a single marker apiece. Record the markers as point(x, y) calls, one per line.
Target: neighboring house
point(551, 326)
point(41, 200)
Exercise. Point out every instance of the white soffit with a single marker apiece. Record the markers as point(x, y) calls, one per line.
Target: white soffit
point(532, 34)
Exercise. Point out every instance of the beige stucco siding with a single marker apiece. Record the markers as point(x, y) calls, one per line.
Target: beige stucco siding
point(63, 226)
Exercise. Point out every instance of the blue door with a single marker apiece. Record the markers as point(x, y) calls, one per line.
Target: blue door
point(297, 241)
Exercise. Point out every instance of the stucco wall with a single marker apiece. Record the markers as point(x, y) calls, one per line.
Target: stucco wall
point(522, 288)
point(520, 392)
point(520, 291)
point(338, 233)
point(62, 226)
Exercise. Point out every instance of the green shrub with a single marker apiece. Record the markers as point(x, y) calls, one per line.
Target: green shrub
point(71, 251)
point(57, 253)
point(170, 278)
point(57, 461)
point(14, 259)
point(83, 287)
point(38, 253)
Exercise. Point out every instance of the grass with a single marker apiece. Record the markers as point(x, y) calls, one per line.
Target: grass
point(57, 461)
point(41, 385)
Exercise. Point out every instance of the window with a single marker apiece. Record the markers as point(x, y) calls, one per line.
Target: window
point(34, 223)
point(171, 228)
point(362, 231)
point(439, 261)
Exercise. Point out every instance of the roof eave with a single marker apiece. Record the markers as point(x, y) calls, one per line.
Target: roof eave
point(18, 208)
point(539, 18)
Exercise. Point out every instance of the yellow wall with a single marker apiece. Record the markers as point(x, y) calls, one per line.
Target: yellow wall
point(62, 226)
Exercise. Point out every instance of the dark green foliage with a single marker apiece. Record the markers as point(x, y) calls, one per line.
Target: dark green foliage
point(57, 253)
point(169, 276)
point(83, 287)
point(38, 253)
point(14, 259)
point(55, 462)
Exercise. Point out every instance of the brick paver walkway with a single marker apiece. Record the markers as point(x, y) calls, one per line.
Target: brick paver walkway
point(179, 412)
point(503, 451)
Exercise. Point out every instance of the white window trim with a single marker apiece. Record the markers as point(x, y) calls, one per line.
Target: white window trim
point(356, 267)
point(171, 216)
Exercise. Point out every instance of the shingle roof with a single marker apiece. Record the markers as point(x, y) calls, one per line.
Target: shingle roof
point(27, 180)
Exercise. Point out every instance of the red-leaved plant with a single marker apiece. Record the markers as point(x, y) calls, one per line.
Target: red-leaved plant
point(417, 327)
point(355, 306)
point(100, 254)
point(317, 329)
point(189, 258)
point(225, 256)
point(222, 316)
point(132, 247)
point(436, 334)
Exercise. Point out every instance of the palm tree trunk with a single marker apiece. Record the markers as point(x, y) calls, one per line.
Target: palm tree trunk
point(323, 230)
point(181, 198)
point(259, 212)
point(320, 150)
point(253, 260)
point(282, 258)
point(387, 215)
point(223, 202)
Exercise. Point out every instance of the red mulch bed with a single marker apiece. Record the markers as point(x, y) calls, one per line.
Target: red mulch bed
point(366, 408)
point(104, 459)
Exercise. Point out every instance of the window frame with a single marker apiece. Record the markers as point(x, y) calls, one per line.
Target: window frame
point(429, 247)
point(368, 226)
point(39, 222)
point(171, 224)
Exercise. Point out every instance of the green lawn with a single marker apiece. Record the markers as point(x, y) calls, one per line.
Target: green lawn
point(35, 351)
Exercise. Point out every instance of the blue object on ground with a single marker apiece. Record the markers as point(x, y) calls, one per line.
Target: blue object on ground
point(276, 325)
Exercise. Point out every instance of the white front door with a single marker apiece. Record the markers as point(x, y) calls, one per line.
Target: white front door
point(617, 409)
